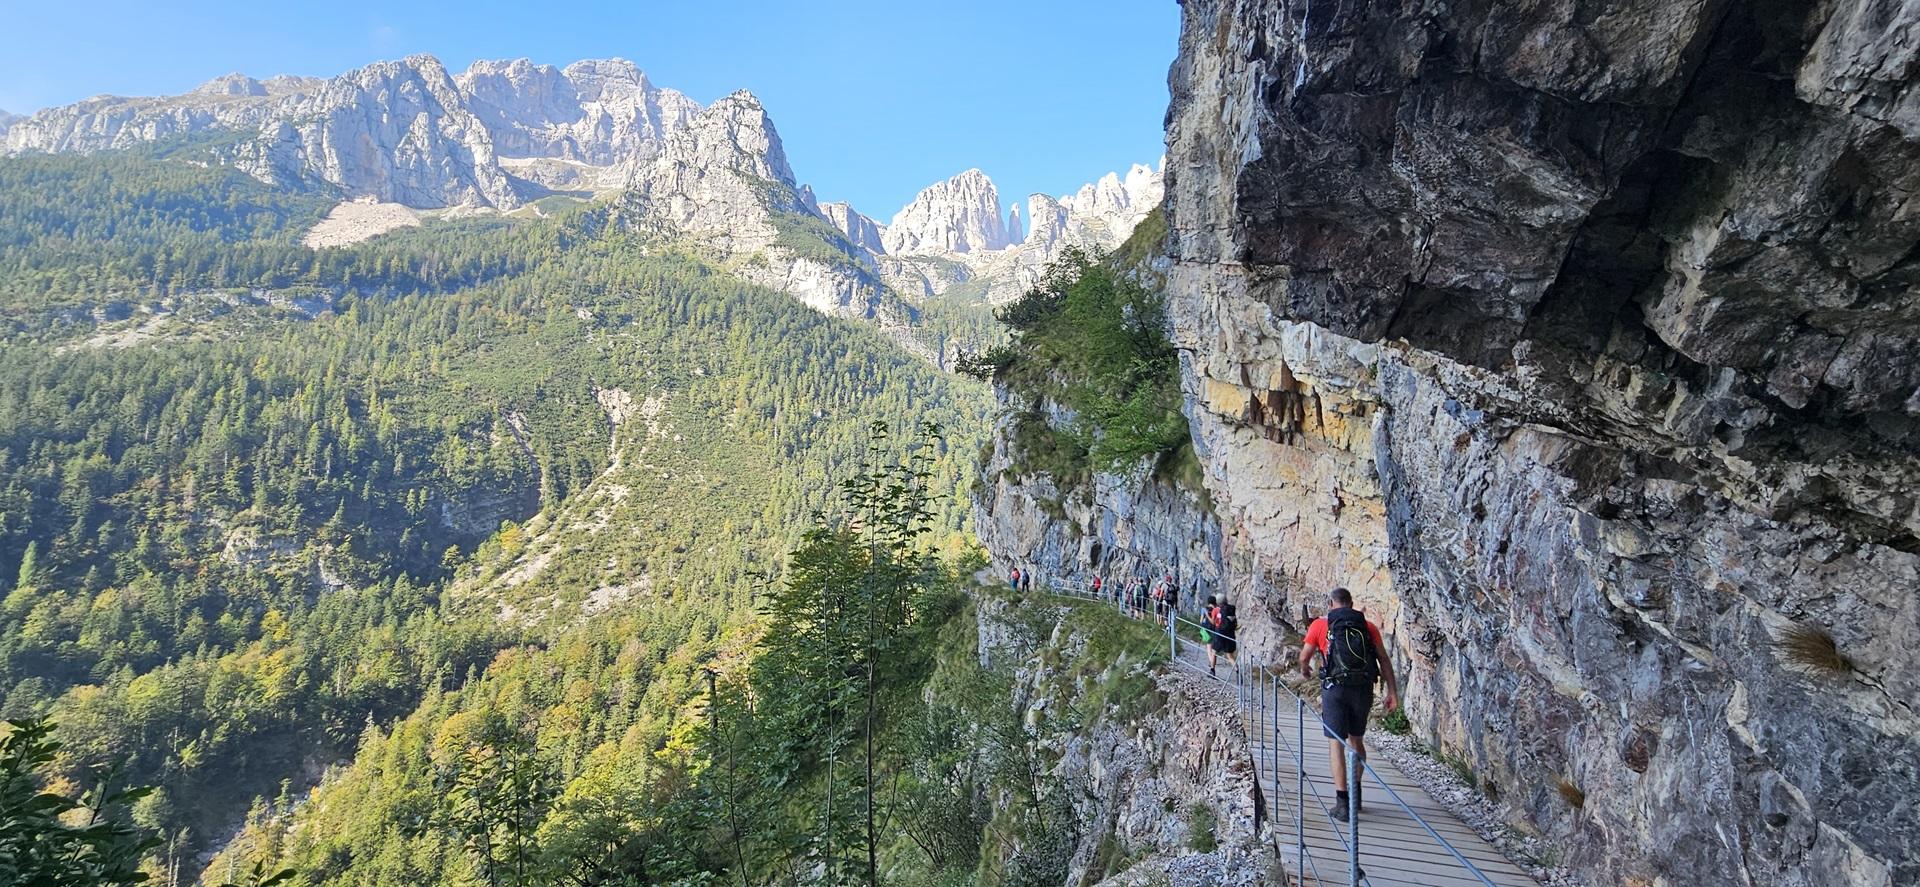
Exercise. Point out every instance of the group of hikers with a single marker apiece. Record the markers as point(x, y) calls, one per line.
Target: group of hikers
point(1349, 649)
point(1139, 597)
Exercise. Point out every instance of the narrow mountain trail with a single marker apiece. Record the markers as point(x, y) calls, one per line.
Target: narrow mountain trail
point(1407, 838)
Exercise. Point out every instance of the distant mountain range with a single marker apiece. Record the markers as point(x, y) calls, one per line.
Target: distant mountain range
point(503, 135)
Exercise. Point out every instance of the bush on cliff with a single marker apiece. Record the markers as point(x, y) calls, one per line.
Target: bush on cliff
point(1092, 338)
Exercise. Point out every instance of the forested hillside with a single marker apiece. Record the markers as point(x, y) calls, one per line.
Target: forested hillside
point(265, 509)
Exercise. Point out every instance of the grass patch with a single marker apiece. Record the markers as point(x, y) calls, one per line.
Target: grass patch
point(1147, 242)
point(1201, 828)
point(1395, 722)
point(1574, 795)
point(1812, 648)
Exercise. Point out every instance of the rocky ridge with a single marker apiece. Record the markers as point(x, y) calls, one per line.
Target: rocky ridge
point(938, 249)
point(407, 131)
point(723, 181)
point(410, 135)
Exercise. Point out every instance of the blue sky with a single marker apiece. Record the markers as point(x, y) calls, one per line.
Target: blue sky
point(873, 99)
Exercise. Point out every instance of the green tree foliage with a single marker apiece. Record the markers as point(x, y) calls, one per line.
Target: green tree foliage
point(498, 790)
point(258, 541)
point(38, 843)
point(846, 638)
point(1091, 338)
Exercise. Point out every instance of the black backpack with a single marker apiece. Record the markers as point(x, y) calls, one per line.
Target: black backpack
point(1351, 660)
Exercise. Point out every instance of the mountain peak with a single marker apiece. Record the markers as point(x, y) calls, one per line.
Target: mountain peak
point(959, 215)
point(235, 83)
point(735, 132)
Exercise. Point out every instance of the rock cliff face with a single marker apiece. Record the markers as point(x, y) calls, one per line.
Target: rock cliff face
point(1579, 340)
point(401, 131)
point(861, 231)
point(1117, 526)
point(722, 180)
point(959, 215)
point(595, 112)
point(1144, 759)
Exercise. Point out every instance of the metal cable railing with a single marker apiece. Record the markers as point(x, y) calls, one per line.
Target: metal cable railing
point(1257, 688)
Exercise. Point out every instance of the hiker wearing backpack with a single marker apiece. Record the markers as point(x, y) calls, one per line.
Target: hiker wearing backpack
point(1354, 658)
point(1225, 634)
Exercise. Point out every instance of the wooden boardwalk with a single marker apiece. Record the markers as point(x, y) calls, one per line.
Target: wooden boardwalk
point(1395, 849)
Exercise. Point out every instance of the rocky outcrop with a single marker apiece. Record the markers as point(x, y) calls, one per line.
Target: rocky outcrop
point(235, 84)
point(959, 215)
point(1144, 760)
point(722, 181)
point(861, 231)
point(720, 177)
point(7, 120)
point(400, 131)
point(1119, 526)
point(598, 113)
point(1102, 213)
point(1580, 342)
point(940, 246)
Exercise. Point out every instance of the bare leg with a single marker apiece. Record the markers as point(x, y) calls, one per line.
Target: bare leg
point(1360, 748)
point(1337, 755)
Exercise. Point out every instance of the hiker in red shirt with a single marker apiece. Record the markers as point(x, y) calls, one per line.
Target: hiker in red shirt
point(1354, 657)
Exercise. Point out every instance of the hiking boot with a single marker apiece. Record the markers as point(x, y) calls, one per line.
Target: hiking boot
point(1339, 810)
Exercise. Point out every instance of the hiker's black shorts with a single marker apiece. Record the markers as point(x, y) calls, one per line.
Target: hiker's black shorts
point(1345, 710)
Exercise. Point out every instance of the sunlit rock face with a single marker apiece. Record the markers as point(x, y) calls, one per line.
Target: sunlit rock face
point(408, 131)
point(1580, 340)
point(959, 215)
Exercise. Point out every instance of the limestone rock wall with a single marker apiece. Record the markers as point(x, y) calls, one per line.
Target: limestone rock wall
point(1579, 339)
point(1118, 526)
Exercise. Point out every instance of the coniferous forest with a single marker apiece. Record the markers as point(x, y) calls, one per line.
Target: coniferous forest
point(408, 562)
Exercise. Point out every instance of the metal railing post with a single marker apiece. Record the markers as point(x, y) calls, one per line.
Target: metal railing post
point(1173, 637)
point(1300, 789)
point(1353, 817)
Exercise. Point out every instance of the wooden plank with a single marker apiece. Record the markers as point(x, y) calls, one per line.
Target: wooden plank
point(1400, 835)
point(1322, 844)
